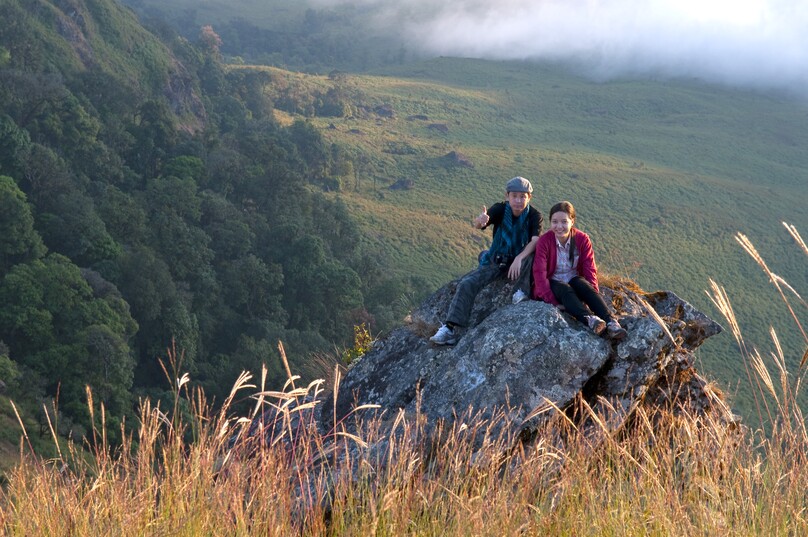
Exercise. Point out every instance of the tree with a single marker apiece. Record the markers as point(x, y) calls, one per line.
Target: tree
point(54, 324)
point(26, 323)
point(228, 227)
point(170, 194)
point(335, 225)
point(110, 97)
point(227, 169)
point(159, 307)
point(212, 77)
point(183, 246)
point(32, 94)
point(341, 293)
point(155, 135)
point(333, 104)
point(67, 125)
point(146, 283)
point(77, 231)
point(123, 217)
point(46, 176)
point(254, 288)
point(9, 370)
point(210, 39)
point(14, 142)
point(185, 167)
point(176, 326)
point(19, 242)
point(254, 93)
point(310, 145)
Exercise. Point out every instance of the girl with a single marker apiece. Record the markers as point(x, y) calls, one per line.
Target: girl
point(565, 274)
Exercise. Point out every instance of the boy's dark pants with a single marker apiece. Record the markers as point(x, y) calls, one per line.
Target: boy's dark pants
point(474, 281)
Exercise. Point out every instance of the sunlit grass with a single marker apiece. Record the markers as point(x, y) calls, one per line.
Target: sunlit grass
point(191, 470)
point(685, 475)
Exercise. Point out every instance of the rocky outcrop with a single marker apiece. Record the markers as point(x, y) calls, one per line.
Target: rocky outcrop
point(456, 158)
point(385, 111)
point(71, 24)
point(183, 99)
point(403, 184)
point(526, 362)
point(442, 128)
point(79, 24)
point(516, 366)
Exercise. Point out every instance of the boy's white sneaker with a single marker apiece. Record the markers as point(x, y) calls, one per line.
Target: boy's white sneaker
point(444, 336)
point(519, 296)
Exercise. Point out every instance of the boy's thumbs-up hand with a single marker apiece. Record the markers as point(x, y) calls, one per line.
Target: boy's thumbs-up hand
point(482, 219)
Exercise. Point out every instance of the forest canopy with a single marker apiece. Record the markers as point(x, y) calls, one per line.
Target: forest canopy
point(148, 198)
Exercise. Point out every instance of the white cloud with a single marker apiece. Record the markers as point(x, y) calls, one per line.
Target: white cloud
point(759, 43)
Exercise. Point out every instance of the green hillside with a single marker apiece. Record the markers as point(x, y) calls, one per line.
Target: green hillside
point(663, 176)
point(150, 201)
point(92, 35)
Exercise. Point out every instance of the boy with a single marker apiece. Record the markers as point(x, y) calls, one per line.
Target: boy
point(517, 227)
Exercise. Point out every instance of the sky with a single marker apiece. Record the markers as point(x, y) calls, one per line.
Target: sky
point(748, 43)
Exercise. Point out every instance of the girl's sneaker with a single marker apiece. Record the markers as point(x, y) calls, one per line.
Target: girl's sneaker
point(596, 324)
point(616, 331)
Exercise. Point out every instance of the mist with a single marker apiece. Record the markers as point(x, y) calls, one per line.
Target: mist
point(759, 44)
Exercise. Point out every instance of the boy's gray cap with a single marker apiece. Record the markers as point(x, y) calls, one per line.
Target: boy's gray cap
point(519, 184)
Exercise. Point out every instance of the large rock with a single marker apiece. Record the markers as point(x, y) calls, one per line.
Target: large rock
point(514, 367)
point(514, 361)
point(527, 360)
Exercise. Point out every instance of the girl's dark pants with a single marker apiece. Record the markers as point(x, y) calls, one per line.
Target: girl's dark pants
point(575, 294)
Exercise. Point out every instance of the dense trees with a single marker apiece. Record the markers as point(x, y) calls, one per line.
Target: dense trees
point(57, 326)
point(18, 240)
point(127, 226)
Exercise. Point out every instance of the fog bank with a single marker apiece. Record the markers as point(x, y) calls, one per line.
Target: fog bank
point(748, 43)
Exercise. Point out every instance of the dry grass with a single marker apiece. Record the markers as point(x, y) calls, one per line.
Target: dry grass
point(614, 281)
point(683, 476)
point(669, 474)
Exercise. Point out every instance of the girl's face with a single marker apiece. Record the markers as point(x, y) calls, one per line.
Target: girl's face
point(561, 223)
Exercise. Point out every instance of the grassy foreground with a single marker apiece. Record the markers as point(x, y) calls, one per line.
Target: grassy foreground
point(684, 476)
point(670, 474)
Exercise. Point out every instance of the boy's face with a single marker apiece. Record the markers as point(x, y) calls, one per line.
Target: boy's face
point(518, 202)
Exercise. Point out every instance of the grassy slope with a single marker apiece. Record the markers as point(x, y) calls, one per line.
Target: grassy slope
point(102, 33)
point(262, 13)
point(663, 175)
